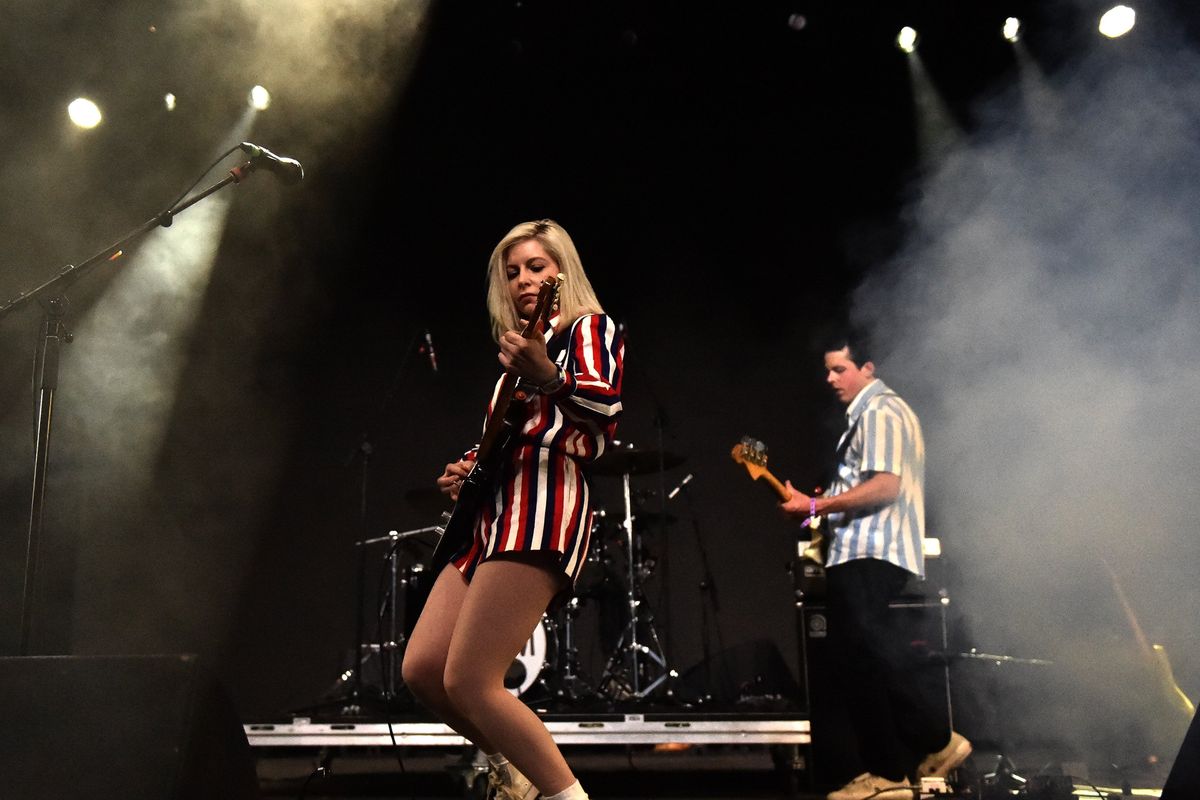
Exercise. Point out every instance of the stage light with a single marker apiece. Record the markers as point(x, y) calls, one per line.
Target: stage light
point(1117, 21)
point(169, 101)
point(84, 112)
point(260, 98)
point(906, 40)
point(1012, 29)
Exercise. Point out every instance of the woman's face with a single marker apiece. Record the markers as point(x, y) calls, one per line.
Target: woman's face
point(527, 264)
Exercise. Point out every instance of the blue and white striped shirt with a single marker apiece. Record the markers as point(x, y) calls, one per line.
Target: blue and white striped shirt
point(882, 434)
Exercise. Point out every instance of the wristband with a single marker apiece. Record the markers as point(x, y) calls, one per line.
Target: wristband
point(812, 513)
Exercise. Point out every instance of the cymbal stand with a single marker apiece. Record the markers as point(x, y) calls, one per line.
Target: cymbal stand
point(629, 650)
point(571, 686)
point(396, 640)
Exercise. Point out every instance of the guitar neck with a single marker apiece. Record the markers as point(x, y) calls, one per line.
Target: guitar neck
point(508, 381)
point(776, 486)
point(508, 385)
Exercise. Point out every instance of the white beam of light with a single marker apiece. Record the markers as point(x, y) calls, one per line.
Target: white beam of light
point(906, 40)
point(130, 349)
point(937, 131)
point(1117, 21)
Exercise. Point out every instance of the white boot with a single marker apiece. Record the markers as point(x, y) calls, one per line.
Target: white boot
point(505, 781)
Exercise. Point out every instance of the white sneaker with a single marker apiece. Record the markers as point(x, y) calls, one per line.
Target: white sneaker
point(940, 764)
point(874, 787)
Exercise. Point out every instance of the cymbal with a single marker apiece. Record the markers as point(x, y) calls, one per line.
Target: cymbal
point(626, 459)
point(652, 519)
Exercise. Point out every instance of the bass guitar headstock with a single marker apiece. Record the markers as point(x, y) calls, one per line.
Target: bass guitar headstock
point(547, 304)
point(751, 454)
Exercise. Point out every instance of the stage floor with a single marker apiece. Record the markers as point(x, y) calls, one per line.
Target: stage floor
point(627, 756)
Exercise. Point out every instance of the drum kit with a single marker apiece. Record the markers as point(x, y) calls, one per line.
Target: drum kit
point(548, 670)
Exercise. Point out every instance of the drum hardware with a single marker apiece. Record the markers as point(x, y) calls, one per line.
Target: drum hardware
point(395, 640)
point(569, 684)
point(636, 668)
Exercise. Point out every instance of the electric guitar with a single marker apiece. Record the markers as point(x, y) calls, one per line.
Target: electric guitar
point(1155, 656)
point(752, 454)
point(499, 438)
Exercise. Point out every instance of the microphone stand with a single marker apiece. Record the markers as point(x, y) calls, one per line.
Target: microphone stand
point(361, 650)
point(664, 600)
point(54, 333)
point(708, 588)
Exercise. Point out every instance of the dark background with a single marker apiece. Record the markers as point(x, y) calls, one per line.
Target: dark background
point(728, 177)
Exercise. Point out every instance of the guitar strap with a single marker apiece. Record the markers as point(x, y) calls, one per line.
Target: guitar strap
point(844, 442)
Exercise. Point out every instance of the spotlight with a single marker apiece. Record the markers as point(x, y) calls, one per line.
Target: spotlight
point(797, 22)
point(84, 112)
point(906, 40)
point(1117, 21)
point(1012, 29)
point(169, 101)
point(260, 98)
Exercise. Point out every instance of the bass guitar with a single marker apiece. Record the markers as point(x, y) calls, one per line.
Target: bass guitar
point(497, 443)
point(752, 454)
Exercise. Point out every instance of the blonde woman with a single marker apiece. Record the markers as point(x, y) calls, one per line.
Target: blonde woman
point(531, 531)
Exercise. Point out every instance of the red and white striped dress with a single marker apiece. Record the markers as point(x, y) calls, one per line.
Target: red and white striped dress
point(542, 498)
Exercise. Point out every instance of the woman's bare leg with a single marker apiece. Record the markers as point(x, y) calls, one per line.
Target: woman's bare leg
point(503, 605)
point(425, 654)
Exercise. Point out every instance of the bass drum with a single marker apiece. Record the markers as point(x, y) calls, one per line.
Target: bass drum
point(532, 660)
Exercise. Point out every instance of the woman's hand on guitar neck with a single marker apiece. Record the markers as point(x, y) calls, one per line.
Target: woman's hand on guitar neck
point(451, 480)
point(526, 358)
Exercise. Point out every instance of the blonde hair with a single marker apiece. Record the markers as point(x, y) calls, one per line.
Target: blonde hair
point(576, 296)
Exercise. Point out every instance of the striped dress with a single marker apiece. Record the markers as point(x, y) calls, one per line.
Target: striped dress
point(883, 434)
point(542, 498)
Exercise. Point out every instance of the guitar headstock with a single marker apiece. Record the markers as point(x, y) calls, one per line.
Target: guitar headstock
point(547, 304)
point(751, 454)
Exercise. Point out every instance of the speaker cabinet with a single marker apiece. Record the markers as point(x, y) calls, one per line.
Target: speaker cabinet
point(124, 727)
point(1184, 779)
point(834, 746)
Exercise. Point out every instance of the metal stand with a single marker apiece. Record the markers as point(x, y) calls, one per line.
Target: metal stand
point(569, 684)
point(52, 295)
point(393, 644)
point(640, 661)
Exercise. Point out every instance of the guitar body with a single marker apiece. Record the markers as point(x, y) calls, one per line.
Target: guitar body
point(752, 454)
point(497, 444)
point(476, 488)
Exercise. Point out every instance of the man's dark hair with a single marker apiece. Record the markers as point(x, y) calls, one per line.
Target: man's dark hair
point(856, 342)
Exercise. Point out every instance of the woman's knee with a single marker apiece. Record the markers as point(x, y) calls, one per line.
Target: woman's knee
point(463, 684)
point(423, 675)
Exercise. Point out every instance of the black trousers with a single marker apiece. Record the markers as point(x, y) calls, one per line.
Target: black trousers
point(875, 671)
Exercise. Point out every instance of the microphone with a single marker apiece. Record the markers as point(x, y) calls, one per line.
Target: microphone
point(288, 170)
point(429, 350)
point(686, 480)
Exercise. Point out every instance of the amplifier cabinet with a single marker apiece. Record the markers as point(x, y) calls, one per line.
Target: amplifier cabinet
point(834, 749)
